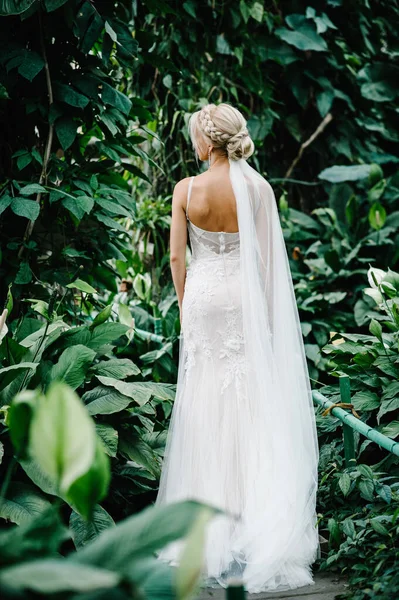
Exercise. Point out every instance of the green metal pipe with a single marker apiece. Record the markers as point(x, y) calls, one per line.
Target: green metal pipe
point(235, 590)
point(348, 432)
point(358, 425)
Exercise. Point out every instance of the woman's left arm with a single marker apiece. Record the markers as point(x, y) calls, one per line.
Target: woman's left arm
point(178, 239)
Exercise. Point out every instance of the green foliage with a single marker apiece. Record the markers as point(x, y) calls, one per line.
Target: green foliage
point(129, 412)
point(60, 438)
point(330, 251)
point(113, 559)
point(287, 67)
point(77, 80)
point(360, 504)
point(70, 137)
point(119, 561)
point(372, 361)
point(359, 515)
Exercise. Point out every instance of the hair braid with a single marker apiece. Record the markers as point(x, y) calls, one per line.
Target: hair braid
point(226, 127)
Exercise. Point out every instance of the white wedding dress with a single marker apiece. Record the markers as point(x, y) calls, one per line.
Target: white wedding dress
point(226, 445)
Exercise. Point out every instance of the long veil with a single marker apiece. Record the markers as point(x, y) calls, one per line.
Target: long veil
point(279, 392)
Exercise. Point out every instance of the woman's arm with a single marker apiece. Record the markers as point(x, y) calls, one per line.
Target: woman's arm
point(178, 238)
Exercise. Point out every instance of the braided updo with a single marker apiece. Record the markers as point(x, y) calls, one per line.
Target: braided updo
point(225, 127)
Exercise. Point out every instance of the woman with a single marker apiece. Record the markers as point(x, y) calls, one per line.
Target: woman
point(242, 434)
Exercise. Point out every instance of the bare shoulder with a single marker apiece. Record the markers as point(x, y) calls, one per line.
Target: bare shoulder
point(182, 186)
point(180, 191)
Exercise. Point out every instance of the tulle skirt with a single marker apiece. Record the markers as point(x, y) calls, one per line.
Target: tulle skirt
point(228, 447)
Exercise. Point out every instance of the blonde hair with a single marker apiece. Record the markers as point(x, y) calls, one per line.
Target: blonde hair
point(225, 127)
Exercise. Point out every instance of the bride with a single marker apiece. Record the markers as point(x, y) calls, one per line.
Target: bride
point(242, 434)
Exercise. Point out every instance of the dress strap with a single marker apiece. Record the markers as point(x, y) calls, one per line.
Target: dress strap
point(190, 185)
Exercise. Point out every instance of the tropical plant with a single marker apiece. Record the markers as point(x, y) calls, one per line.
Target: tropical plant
point(111, 560)
point(69, 137)
point(359, 504)
point(55, 434)
point(330, 250)
point(130, 412)
point(317, 83)
point(371, 361)
point(359, 514)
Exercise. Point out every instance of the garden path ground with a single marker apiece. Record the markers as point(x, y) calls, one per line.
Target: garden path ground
point(326, 587)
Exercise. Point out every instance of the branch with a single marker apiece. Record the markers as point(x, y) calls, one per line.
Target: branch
point(314, 135)
point(49, 141)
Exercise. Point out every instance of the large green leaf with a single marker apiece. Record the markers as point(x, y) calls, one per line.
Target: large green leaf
point(63, 437)
point(31, 65)
point(25, 208)
point(92, 487)
point(366, 487)
point(366, 400)
point(379, 81)
point(53, 4)
point(14, 7)
point(344, 483)
point(104, 400)
point(24, 273)
point(111, 96)
point(38, 537)
point(84, 531)
point(141, 453)
point(79, 205)
point(109, 438)
point(5, 202)
point(102, 316)
point(324, 101)
point(388, 406)
point(110, 222)
point(113, 208)
point(92, 32)
point(19, 418)
point(377, 216)
point(141, 535)
point(66, 130)
point(303, 38)
point(339, 173)
point(31, 189)
point(119, 368)
point(391, 430)
point(303, 220)
point(141, 391)
point(82, 286)
point(21, 504)
point(106, 333)
point(155, 578)
point(52, 575)
point(391, 391)
point(8, 374)
point(349, 528)
point(67, 94)
point(39, 477)
point(73, 365)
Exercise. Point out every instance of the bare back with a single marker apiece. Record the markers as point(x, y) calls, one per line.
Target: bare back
point(212, 202)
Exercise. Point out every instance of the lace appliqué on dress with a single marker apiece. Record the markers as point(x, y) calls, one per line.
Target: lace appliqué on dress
point(196, 311)
point(232, 350)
